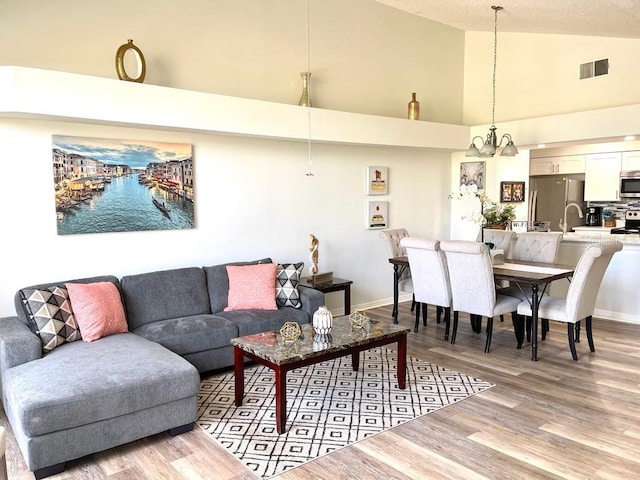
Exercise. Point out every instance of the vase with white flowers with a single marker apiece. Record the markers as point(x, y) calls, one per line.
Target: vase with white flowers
point(492, 214)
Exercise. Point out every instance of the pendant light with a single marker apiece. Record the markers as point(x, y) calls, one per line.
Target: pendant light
point(491, 144)
point(308, 102)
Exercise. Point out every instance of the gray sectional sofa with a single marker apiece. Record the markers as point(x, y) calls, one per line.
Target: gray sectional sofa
point(84, 397)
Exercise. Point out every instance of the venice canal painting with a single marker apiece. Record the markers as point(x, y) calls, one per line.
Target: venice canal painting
point(109, 185)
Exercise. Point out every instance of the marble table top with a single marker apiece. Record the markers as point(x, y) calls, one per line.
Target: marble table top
point(271, 346)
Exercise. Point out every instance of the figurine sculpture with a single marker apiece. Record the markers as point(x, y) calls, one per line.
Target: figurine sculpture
point(313, 255)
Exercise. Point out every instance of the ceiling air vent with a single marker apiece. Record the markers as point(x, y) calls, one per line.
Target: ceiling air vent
point(594, 69)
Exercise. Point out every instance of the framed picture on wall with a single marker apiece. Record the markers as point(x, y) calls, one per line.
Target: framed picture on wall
point(472, 173)
point(118, 185)
point(377, 215)
point(377, 180)
point(511, 192)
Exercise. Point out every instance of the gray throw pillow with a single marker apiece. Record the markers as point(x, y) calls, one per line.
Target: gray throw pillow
point(50, 316)
point(287, 280)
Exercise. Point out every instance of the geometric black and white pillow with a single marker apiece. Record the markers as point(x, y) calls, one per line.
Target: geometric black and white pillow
point(287, 280)
point(50, 316)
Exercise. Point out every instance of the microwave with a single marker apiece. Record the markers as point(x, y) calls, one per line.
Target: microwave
point(630, 184)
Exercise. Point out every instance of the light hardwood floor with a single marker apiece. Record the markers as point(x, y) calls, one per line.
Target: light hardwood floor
point(550, 419)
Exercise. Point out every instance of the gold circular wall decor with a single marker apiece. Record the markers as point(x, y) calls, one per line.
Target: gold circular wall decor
point(120, 69)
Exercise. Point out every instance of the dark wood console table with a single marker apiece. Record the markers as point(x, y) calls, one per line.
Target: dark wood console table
point(335, 285)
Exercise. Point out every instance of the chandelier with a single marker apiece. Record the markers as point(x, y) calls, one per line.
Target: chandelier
point(491, 144)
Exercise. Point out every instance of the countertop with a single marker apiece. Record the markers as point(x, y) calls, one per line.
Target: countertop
point(598, 234)
point(594, 229)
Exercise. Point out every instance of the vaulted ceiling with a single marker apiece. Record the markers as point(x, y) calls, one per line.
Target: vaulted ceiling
point(606, 18)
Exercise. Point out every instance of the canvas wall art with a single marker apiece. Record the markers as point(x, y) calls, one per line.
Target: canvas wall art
point(110, 185)
point(472, 173)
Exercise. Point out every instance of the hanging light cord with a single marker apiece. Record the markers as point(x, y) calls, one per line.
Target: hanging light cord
point(495, 61)
point(310, 172)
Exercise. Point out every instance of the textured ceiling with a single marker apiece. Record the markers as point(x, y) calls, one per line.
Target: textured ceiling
point(604, 18)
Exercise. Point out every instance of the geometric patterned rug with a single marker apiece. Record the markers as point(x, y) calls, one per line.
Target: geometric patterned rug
point(329, 406)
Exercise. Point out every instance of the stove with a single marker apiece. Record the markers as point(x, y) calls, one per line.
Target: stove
point(631, 223)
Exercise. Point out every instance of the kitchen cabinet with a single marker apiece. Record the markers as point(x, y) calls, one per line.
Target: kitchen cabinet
point(555, 165)
point(602, 176)
point(631, 161)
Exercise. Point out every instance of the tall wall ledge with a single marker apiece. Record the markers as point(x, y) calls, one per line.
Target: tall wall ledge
point(46, 94)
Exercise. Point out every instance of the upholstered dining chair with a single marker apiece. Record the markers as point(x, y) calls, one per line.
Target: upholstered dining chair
point(501, 239)
point(537, 246)
point(430, 277)
point(533, 247)
point(581, 297)
point(394, 249)
point(3, 456)
point(473, 287)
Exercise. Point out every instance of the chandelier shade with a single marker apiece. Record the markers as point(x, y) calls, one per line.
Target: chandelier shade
point(490, 145)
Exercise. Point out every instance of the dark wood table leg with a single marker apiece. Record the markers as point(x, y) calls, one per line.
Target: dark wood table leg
point(347, 299)
point(238, 373)
point(396, 279)
point(355, 361)
point(402, 362)
point(281, 399)
point(534, 322)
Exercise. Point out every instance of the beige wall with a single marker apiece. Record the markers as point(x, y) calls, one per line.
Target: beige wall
point(538, 75)
point(365, 57)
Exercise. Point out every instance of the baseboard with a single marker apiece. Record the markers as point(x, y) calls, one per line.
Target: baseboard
point(383, 302)
point(616, 316)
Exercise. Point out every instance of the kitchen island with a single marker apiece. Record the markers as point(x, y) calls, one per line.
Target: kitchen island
point(617, 298)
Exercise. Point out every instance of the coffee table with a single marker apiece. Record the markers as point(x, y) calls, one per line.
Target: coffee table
point(270, 350)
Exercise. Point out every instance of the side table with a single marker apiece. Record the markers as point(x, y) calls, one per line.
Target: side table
point(335, 285)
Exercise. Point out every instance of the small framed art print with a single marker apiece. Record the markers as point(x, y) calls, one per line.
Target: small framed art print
point(377, 215)
point(511, 192)
point(377, 180)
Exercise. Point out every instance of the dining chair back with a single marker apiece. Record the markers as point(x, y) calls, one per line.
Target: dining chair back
point(472, 285)
point(3, 454)
point(430, 276)
point(501, 239)
point(392, 239)
point(537, 246)
point(587, 277)
point(581, 296)
point(533, 247)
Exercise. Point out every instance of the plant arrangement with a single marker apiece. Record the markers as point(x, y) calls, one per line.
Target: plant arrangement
point(497, 215)
point(492, 214)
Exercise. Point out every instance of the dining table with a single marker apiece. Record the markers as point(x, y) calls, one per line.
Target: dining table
point(535, 275)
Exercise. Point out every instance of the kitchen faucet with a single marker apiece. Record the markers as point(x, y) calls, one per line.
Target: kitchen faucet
point(563, 221)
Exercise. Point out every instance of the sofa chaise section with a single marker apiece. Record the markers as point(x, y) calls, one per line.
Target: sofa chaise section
point(83, 398)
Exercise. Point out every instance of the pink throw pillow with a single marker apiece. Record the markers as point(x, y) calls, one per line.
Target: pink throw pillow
point(97, 308)
point(250, 287)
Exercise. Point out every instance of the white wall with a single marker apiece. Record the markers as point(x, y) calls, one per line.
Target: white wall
point(252, 200)
point(537, 75)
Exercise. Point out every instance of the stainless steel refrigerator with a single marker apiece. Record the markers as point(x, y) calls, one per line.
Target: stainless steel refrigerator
point(548, 197)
